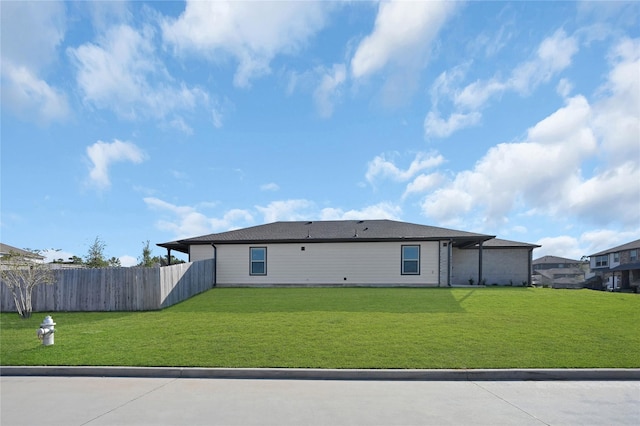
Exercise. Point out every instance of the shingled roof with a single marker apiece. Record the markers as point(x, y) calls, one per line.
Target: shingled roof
point(555, 259)
point(6, 249)
point(332, 231)
point(498, 243)
point(628, 246)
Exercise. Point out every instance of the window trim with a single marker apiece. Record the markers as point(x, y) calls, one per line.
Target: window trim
point(403, 260)
point(251, 262)
point(602, 261)
point(633, 255)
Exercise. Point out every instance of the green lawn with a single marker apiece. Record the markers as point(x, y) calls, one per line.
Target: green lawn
point(347, 328)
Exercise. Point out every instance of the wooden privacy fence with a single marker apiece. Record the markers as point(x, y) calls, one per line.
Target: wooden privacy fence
point(118, 289)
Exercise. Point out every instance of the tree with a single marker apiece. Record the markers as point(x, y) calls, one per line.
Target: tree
point(162, 260)
point(146, 260)
point(95, 255)
point(21, 273)
point(114, 262)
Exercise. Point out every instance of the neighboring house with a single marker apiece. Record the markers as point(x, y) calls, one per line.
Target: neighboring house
point(559, 272)
point(7, 250)
point(618, 267)
point(357, 253)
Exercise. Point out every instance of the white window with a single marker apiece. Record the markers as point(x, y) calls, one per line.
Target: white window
point(616, 257)
point(602, 261)
point(258, 261)
point(410, 260)
point(633, 255)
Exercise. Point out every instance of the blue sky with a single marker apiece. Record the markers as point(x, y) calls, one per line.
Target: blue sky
point(136, 121)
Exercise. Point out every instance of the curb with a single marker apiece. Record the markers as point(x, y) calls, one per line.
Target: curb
point(596, 374)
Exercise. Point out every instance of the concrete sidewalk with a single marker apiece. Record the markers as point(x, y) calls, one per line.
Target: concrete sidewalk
point(598, 374)
point(95, 401)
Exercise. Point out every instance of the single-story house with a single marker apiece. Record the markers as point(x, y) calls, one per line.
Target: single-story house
point(618, 267)
point(358, 253)
point(7, 251)
point(560, 272)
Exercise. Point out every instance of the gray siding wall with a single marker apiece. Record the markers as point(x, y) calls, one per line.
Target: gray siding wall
point(200, 252)
point(339, 264)
point(118, 289)
point(501, 266)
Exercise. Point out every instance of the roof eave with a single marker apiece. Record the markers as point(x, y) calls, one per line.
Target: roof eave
point(460, 240)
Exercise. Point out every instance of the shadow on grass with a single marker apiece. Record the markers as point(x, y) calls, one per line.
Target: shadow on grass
point(265, 300)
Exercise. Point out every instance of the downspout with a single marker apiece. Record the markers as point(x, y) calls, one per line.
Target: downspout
point(215, 264)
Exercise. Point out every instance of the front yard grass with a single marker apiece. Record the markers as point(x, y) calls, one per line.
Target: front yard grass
point(346, 328)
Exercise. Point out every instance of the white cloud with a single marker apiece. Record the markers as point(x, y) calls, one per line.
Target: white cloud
point(231, 219)
point(105, 13)
point(384, 210)
point(299, 209)
point(23, 92)
point(539, 171)
point(217, 116)
point(611, 195)
point(423, 183)
point(434, 125)
point(21, 42)
point(179, 124)
point(562, 246)
point(253, 33)
point(616, 114)
point(127, 261)
point(271, 186)
point(603, 239)
point(328, 92)
point(476, 94)
point(325, 84)
point(103, 154)
point(26, 54)
point(581, 161)
point(402, 35)
point(121, 72)
point(399, 47)
point(554, 54)
point(564, 87)
point(187, 221)
point(381, 166)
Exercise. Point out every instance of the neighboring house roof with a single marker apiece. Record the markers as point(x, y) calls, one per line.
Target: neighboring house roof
point(551, 273)
point(554, 259)
point(628, 246)
point(333, 231)
point(6, 249)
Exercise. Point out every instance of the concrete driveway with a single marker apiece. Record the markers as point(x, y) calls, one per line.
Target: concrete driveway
point(170, 401)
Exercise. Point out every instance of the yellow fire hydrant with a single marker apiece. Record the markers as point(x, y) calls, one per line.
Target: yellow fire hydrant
point(46, 330)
